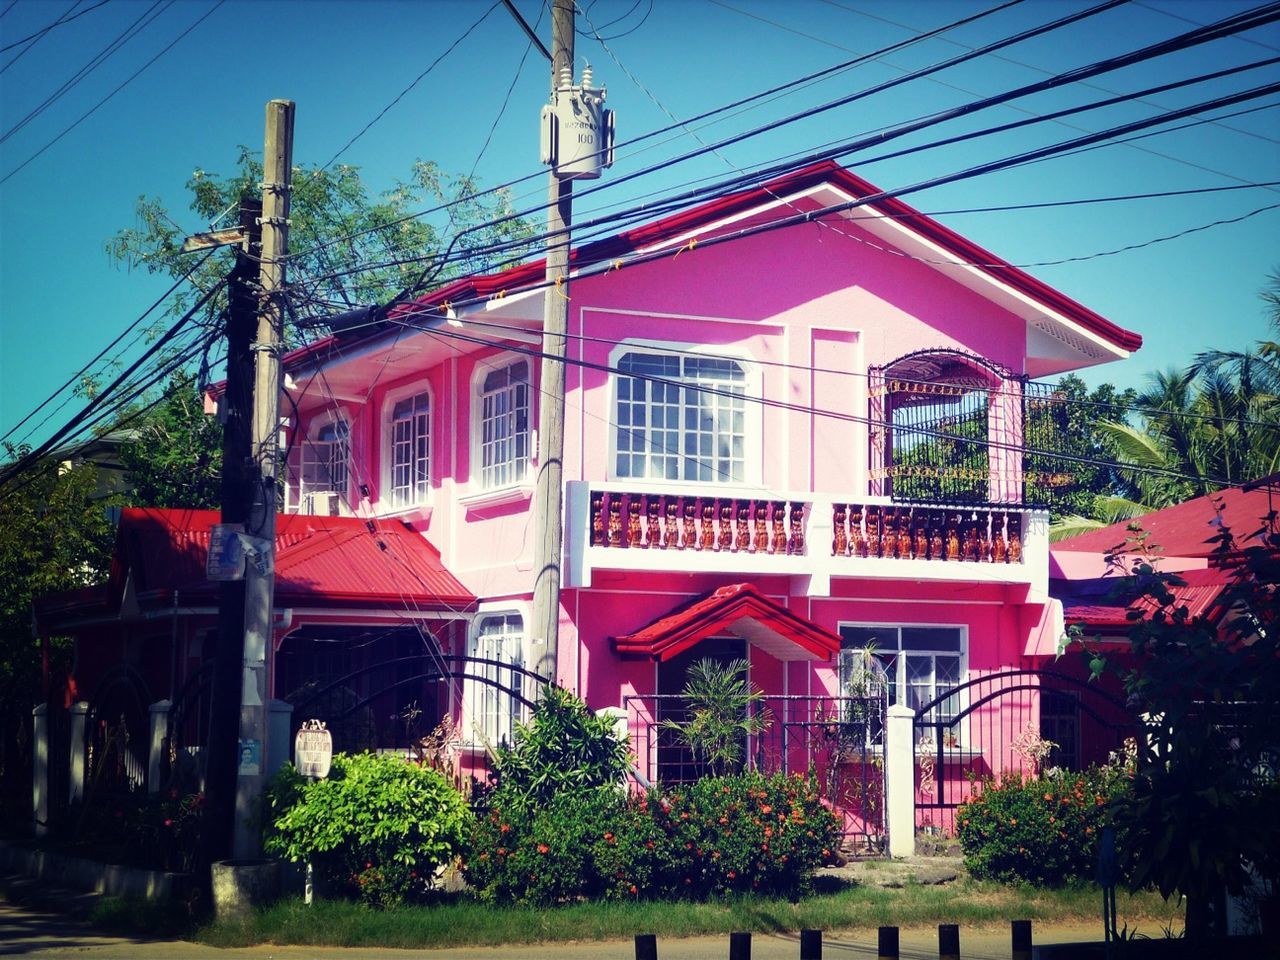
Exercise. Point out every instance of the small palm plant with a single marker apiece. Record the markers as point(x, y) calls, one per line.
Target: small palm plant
point(724, 709)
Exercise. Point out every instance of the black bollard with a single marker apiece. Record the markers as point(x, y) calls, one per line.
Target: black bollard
point(810, 945)
point(888, 943)
point(739, 946)
point(1021, 931)
point(948, 941)
point(646, 946)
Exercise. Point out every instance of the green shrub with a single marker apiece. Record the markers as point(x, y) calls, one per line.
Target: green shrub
point(379, 825)
point(1043, 830)
point(720, 835)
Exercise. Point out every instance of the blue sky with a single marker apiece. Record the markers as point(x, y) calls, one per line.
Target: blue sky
point(61, 299)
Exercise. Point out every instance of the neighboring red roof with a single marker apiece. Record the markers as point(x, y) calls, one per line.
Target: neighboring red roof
point(1188, 529)
point(823, 172)
point(320, 562)
point(738, 609)
point(1199, 595)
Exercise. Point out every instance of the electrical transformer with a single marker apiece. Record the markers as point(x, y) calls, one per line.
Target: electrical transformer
point(577, 131)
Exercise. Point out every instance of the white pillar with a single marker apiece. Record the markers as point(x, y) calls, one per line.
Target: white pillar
point(40, 768)
point(159, 736)
point(79, 716)
point(900, 781)
point(279, 743)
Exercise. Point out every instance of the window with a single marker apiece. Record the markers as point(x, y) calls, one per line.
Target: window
point(493, 709)
point(325, 457)
point(409, 451)
point(691, 429)
point(504, 426)
point(922, 663)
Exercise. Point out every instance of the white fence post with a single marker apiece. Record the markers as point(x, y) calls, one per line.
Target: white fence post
point(900, 780)
point(40, 768)
point(159, 734)
point(279, 743)
point(79, 717)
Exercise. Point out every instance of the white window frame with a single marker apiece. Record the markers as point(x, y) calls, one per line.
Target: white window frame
point(518, 477)
point(898, 673)
point(387, 493)
point(752, 416)
point(307, 492)
point(485, 718)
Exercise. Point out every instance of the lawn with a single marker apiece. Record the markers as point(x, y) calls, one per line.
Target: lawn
point(462, 921)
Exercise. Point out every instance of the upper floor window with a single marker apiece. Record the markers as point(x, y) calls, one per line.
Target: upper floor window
point(326, 455)
point(409, 450)
point(681, 418)
point(922, 663)
point(504, 426)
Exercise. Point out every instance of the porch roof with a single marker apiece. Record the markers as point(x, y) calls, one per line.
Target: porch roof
point(333, 562)
point(739, 609)
point(1097, 607)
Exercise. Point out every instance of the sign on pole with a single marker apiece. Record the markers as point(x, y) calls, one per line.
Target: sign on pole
point(226, 553)
point(313, 750)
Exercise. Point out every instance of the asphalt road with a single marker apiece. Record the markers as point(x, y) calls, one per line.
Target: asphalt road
point(30, 932)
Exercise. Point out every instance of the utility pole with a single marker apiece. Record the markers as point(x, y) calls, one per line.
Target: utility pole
point(237, 454)
point(549, 492)
point(260, 527)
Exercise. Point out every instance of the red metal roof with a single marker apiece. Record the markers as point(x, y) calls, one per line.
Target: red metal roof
point(320, 562)
point(1199, 594)
point(1188, 529)
point(739, 609)
point(667, 228)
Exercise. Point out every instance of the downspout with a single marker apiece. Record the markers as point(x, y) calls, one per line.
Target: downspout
point(173, 647)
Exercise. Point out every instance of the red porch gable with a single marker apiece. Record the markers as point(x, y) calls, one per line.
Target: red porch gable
point(738, 609)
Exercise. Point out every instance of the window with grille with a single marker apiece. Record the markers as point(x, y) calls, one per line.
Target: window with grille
point(504, 426)
point(494, 710)
point(680, 418)
point(410, 450)
point(921, 663)
point(326, 456)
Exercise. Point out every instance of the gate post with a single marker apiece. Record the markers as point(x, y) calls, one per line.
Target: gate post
point(159, 736)
point(40, 768)
point(900, 780)
point(79, 717)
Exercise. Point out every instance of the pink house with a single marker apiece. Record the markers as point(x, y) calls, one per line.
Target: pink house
point(801, 447)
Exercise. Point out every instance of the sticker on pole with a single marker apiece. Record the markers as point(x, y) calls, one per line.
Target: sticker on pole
point(313, 750)
point(226, 555)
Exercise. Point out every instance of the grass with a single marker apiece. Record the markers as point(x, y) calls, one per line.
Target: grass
point(462, 921)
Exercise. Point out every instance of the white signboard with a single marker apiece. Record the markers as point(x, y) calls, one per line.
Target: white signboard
point(226, 554)
point(313, 750)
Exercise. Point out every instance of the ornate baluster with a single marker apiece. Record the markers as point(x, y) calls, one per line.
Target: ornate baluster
point(857, 542)
point(953, 536)
point(725, 526)
point(796, 543)
point(920, 551)
point(984, 541)
point(971, 539)
point(689, 540)
point(1015, 538)
point(633, 522)
point(999, 554)
point(652, 537)
point(904, 536)
point(706, 527)
point(597, 518)
point(615, 520)
point(779, 518)
point(671, 524)
point(840, 536)
point(742, 539)
point(937, 549)
point(873, 532)
point(889, 534)
point(761, 544)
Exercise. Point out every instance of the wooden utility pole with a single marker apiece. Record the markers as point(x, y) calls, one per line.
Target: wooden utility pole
point(277, 163)
point(549, 492)
point(237, 458)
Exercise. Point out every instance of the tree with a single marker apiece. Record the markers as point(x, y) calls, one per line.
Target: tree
point(174, 459)
point(347, 246)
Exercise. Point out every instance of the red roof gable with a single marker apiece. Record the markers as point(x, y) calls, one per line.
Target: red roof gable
point(320, 561)
point(739, 609)
point(1187, 529)
point(668, 228)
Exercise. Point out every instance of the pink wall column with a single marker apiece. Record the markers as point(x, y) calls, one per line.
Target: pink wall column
point(1004, 442)
point(878, 433)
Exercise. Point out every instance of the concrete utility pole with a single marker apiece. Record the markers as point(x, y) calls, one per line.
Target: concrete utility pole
point(260, 527)
point(549, 493)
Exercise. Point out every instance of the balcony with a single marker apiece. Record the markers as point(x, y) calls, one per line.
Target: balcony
point(651, 527)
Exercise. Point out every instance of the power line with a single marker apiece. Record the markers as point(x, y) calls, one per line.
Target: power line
point(94, 109)
point(39, 34)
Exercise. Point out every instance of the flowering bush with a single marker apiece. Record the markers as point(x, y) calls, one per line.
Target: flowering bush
point(158, 831)
point(1039, 830)
point(380, 825)
point(718, 835)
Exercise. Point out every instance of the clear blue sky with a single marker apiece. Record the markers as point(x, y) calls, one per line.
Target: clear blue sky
point(61, 300)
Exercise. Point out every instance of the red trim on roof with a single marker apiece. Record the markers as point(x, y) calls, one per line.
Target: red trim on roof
point(331, 562)
point(716, 613)
point(667, 228)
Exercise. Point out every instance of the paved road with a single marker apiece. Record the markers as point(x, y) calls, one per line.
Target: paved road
point(30, 932)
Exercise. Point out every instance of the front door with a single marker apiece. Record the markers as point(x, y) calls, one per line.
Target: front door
point(676, 761)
